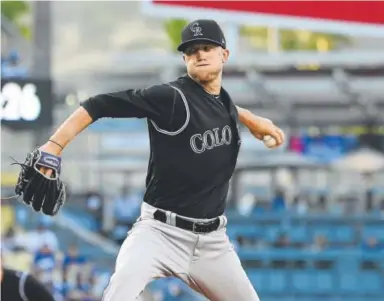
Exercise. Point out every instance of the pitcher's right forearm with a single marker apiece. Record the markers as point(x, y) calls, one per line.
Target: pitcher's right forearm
point(72, 126)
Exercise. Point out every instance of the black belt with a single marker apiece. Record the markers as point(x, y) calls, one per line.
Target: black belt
point(196, 227)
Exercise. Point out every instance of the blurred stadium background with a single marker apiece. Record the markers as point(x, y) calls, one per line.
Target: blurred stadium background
point(307, 219)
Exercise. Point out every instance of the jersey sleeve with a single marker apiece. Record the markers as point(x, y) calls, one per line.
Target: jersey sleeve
point(35, 291)
point(160, 103)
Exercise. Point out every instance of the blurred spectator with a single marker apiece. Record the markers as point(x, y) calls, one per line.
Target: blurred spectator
point(62, 288)
point(369, 200)
point(382, 206)
point(320, 243)
point(336, 206)
point(282, 241)
point(73, 258)
point(7, 218)
point(22, 215)
point(17, 259)
point(246, 204)
point(177, 290)
point(81, 290)
point(94, 203)
point(322, 203)
point(300, 204)
point(296, 144)
point(34, 240)
point(238, 242)
point(372, 244)
point(11, 66)
point(37, 252)
point(44, 264)
point(279, 202)
point(8, 239)
point(351, 204)
point(127, 207)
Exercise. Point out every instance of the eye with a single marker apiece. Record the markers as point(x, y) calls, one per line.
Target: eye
point(190, 51)
point(207, 48)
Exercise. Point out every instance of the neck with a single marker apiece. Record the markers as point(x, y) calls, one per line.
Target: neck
point(211, 87)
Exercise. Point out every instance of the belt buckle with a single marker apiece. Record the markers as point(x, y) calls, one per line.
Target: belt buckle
point(194, 227)
point(199, 227)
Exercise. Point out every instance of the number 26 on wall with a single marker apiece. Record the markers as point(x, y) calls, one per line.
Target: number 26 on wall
point(19, 103)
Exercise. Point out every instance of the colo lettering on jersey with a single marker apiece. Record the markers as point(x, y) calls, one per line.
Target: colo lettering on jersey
point(211, 139)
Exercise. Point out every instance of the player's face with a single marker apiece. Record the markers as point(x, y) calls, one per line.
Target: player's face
point(205, 61)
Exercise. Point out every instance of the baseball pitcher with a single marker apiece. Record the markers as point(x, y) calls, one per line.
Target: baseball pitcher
point(194, 137)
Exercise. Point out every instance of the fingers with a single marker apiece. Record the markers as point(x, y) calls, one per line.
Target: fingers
point(50, 200)
point(266, 127)
point(257, 135)
point(38, 184)
point(282, 135)
point(279, 136)
point(46, 171)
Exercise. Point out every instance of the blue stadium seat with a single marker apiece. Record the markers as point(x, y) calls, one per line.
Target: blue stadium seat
point(349, 283)
point(258, 279)
point(334, 233)
point(122, 125)
point(299, 234)
point(347, 263)
point(271, 233)
point(302, 281)
point(324, 281)
point(249, 231)
point(82, 217)
point(371, 282)
point(376, 256)
point(277, 281)
point(120, 232)
point(374, 231)
point(344, 234)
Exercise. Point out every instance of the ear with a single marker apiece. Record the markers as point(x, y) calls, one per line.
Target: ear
point(225, 55)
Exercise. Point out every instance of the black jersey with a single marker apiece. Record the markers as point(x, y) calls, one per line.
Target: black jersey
point(20, 286)
point(194, 140)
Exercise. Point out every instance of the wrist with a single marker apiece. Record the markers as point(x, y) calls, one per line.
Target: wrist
point(56, 143)
point(52, 148)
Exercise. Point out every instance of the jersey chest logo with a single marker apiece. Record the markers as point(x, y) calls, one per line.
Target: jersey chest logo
point(211, 139)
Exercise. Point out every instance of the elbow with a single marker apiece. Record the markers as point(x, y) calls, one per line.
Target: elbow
point(93, 108)
point(89, 115)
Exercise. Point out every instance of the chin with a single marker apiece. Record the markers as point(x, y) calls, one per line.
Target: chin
point(204, 75)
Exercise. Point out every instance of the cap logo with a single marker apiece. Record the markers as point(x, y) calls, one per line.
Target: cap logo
point(196, 29)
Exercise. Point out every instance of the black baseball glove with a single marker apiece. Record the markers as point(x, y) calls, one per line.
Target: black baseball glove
point(38, 191)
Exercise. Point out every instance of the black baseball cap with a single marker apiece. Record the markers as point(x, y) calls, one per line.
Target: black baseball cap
point(202, 31)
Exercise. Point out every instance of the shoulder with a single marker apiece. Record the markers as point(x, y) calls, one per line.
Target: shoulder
point(168, 94)
point(10, 273)
point(159, 91)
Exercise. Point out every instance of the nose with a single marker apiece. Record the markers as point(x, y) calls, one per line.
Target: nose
point(200, 55)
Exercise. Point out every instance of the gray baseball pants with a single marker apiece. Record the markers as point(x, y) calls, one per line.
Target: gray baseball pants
point(206, 262)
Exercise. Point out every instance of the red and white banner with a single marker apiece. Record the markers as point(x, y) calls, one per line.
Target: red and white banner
point(343, 17)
